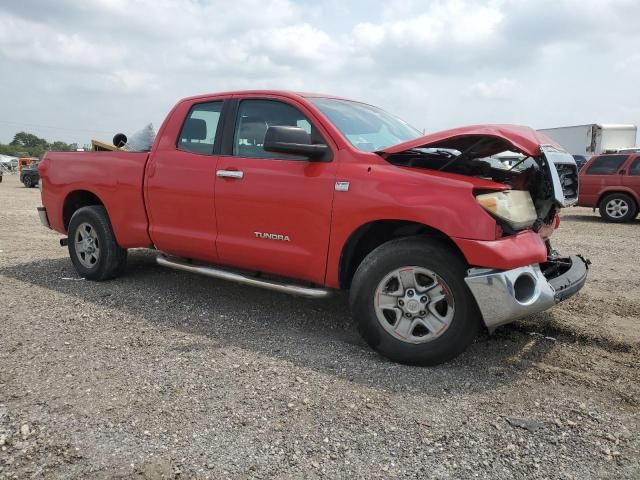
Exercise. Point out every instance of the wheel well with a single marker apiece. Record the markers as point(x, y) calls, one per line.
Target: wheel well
point(610, 192)
point(76, 200)
point(371, 235)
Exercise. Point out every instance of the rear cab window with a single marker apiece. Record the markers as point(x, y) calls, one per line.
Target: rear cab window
point(198, 134)
point(634, 169)
point(606, 165)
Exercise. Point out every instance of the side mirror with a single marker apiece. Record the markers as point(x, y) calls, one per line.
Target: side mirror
point(294, 141)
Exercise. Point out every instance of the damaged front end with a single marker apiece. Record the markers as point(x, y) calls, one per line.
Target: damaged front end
point(533, 188)
point(507, 295)
point(541, 181)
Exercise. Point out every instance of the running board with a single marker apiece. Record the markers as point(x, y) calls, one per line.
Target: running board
point(244, 279)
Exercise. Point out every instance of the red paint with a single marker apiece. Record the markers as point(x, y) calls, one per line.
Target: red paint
point(179, 194)
point(173, 199)
point(524, 139)
point(506, 253)
point(594, 187)
point(115, 178)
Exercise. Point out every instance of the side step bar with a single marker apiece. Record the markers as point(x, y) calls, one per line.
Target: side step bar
point(244, 279)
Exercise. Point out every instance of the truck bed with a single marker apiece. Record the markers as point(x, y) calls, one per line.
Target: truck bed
point(116, 178)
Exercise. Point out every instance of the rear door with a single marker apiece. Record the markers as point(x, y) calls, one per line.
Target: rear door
point(273, 210)
point(601, 173)
point(631, 179)
point(180, 182)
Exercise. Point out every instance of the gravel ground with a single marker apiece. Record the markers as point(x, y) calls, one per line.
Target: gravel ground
point(162, 374)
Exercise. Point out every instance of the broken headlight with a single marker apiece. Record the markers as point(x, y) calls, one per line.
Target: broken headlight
point(515, 207)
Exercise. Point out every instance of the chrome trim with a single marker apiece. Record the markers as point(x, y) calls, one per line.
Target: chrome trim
point(551, 154)
point(44, 220)
point(307, 292)
point(342, 186)
point(237, 174)
point(495, 294)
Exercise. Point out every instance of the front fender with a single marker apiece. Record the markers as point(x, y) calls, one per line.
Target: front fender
point(436, 200)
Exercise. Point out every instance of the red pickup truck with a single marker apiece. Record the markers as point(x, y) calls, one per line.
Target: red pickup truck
point(307, 194)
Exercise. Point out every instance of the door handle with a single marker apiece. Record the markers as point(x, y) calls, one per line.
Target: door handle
point(237, 174)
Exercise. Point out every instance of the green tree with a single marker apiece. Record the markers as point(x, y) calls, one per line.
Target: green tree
point(30, 143)
point(26, 144)
point(12, 151)
point(59, 146)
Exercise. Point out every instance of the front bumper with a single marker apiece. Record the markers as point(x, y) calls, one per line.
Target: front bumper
point(506, 295)
point(42, 213)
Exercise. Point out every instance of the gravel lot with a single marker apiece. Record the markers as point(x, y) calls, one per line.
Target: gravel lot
point(162, 374)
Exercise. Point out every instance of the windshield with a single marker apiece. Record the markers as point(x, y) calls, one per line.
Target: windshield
point(367, 128)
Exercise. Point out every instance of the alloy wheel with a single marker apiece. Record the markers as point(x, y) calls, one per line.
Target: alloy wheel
point(414, 305)
point(87, 245)
point(617, 208)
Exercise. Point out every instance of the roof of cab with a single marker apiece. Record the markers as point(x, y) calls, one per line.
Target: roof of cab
point(282, 93)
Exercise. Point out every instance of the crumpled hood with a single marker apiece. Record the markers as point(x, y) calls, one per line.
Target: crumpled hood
point(519, 138)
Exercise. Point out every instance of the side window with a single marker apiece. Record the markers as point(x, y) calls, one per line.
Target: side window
point(634, 169)
point(606, 165)
point(198, 133)
point(253, 120)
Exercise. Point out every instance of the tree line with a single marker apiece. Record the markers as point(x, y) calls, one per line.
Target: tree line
point(28, 145)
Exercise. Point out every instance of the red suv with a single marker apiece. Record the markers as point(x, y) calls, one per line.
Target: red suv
point(612, 184)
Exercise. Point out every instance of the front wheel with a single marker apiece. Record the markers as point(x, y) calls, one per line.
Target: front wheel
point(618, 208)
point(92, 245)
point(411, 303)
point(27, 182)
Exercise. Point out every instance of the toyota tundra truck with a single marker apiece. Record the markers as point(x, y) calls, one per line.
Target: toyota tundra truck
point(309, 194)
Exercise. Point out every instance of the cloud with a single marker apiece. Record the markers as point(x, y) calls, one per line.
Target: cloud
point(438, 64)
point(501, 88)
point(28, 41)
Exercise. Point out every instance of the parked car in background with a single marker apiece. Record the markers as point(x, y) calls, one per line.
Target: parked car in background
point(611, 183)
point(8, 163)
point(29, 176)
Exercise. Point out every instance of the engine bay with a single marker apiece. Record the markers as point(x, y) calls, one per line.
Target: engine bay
point(526, 173)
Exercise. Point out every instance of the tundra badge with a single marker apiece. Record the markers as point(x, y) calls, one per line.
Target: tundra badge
point(273, 236)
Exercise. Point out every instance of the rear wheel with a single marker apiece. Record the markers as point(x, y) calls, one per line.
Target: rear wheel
point(27, 181)
point(92, 245)
point(618, 208)
point(411, 303)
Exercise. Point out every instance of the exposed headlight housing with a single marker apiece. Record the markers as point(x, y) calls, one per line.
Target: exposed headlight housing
point(515, 207)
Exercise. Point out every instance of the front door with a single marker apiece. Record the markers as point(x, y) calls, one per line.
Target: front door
point(273, 210)
point(180, 185)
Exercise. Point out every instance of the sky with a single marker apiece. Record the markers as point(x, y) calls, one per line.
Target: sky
point(73, 70)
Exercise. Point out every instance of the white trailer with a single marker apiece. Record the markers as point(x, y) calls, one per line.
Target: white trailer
point(593, 139)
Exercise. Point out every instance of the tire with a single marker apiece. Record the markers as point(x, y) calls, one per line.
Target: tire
point(27, 182)
point(618, 208)
point(421, 346)
point(107, 260)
